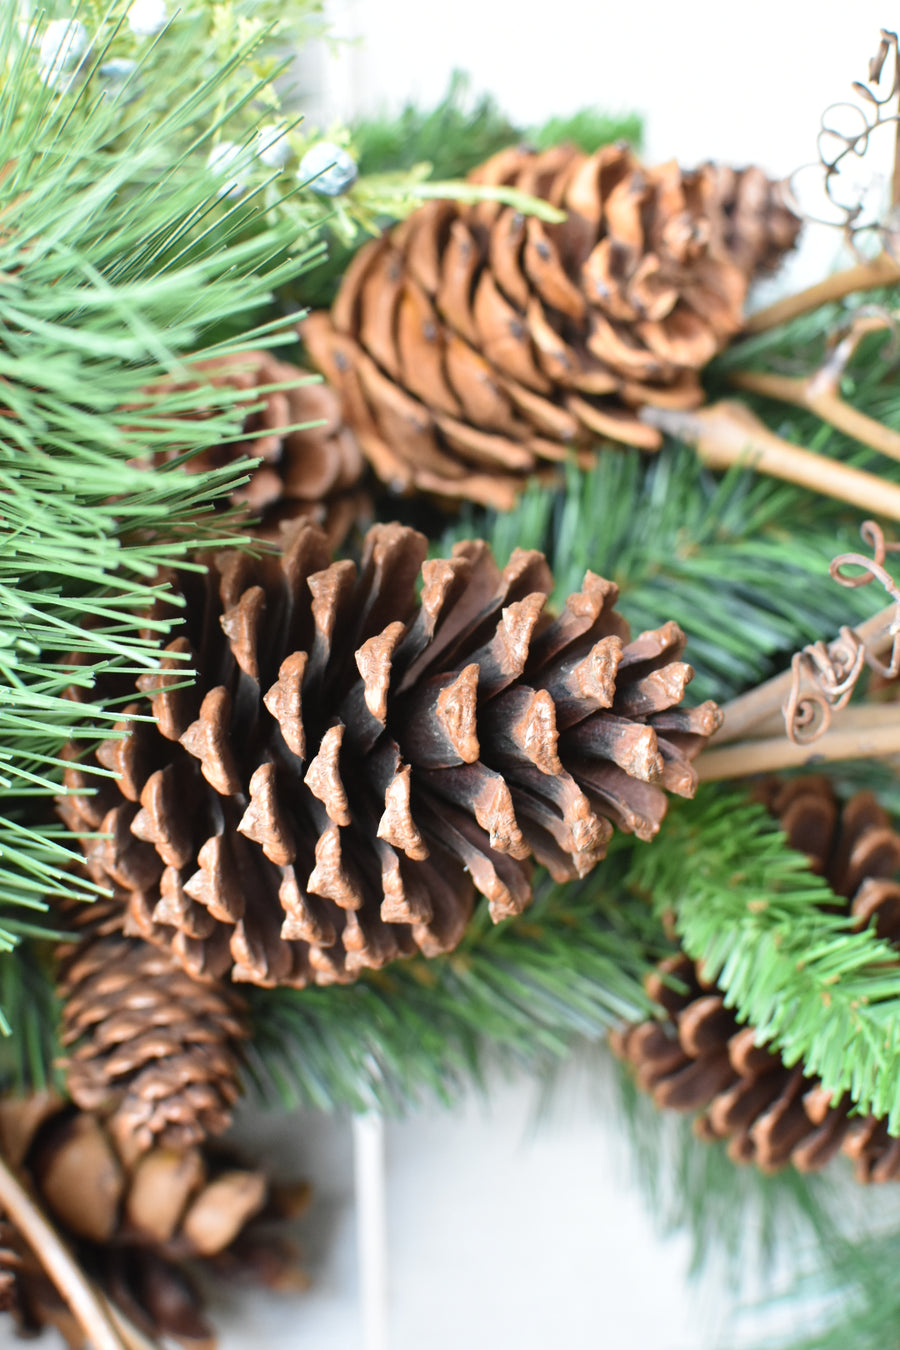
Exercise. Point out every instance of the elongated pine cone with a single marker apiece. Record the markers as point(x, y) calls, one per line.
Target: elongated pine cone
point(472, 344)
point(311, 471)
point(354, 762)
point(701, 1059)
point(135, 1228)
point(151, 1050)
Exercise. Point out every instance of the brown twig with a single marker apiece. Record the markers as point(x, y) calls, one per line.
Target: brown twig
point(78, 1294)
point(820, 392)
point(865, 276)
point(728, 433)
point(853, 736)
point(750, 711)
point(825, 403)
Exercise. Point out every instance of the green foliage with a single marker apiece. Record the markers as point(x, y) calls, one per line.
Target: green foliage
point(408, 153)
point(521, 992)
point(452, 137)
point(589, 128)
point(29, 1056)
point(720, 556)
point(118, 260)
point(781, 947)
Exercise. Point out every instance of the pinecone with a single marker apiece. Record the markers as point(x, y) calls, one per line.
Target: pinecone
point(312, 472)
point(354, 762)
point(701, 1059)
point(471, 345)
point(153, 1051)
point(133, 1226)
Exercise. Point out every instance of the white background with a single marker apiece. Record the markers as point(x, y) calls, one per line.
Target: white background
point(503, 1233)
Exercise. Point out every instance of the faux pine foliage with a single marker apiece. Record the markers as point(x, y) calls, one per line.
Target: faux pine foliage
point(117, 262)
point(521, 993)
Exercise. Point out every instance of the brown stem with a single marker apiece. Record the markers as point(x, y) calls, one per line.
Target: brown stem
point(76, 1291)
point(881, 271)
point(851, 737)
point(748, 711)
point(133, 1337)
point(728, 433)
point(821, 398)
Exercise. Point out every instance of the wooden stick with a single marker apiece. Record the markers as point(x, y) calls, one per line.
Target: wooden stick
point(748, 711)
point(75, 1290)
point(728, 433)
point(850, 737)
point(881, 271)
point(823, 400)
point(868, 714)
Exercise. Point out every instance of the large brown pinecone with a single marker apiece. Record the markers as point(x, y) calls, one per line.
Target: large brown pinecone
point(354, 762)
point(701, 1059)
point(472, 344)
point(134, 1228)
point(151, 1050)
point(311, 471)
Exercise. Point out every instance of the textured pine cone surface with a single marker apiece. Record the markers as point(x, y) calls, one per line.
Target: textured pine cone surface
point(472, 344)
point(137, 1227)
point(700, 1059)
point(151, 1050)
point(312, 471)
point(355, 761)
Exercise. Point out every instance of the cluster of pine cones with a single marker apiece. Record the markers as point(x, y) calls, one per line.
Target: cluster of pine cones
point(371, 750)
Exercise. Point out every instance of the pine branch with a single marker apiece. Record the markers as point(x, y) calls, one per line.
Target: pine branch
point(522, 992)
point(120, 263)
point(780, 946)
point(721, 557)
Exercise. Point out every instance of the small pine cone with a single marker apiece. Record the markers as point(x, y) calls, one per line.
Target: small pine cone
point(472, 345)
point(701, 1059)
point(152, 1051)
point(309, 471)
point(132, 1225)
point(355, 762)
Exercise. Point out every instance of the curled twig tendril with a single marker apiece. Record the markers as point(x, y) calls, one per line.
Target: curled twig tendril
point(845, 131)
point(823, 677)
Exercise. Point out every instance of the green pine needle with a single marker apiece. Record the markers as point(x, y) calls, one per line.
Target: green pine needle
point(522, 993)
point(120, 262)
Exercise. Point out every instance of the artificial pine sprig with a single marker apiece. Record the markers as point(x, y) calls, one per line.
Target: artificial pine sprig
point(119, 261)
point(780, 946)
point(522, 993)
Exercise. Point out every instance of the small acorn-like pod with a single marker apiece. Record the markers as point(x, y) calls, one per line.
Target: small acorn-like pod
point(472, 345)
point(699, 1058)
point(359, 758)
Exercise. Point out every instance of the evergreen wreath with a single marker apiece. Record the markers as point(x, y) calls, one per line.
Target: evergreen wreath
point(162, 235)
